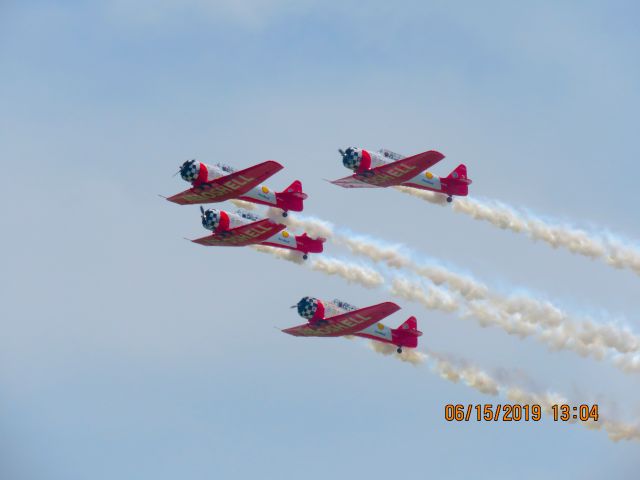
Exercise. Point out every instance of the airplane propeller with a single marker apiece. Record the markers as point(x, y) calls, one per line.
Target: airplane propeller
point(346, 153)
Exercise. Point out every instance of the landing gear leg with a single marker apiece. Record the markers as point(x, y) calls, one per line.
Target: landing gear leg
point(449, 199)
point(399, 350)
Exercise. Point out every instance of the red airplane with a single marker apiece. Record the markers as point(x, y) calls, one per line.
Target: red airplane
point(387, 169)
point(244, 228)
point(337, 318)
point(220, 182)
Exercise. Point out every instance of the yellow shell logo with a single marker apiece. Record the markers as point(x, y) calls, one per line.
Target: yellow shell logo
point(265, 190)
point(429, 175)
point(285, 234)
point(380, 326)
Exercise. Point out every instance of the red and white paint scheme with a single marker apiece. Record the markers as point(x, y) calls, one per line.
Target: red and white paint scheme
point(244, 228)
point(337, 318)
point(220, 182)
point(385, 168)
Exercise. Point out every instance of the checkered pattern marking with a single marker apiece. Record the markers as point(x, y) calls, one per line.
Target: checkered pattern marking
point(189, 170)
point(307, 307)
point(211, 220)
point(351, 159)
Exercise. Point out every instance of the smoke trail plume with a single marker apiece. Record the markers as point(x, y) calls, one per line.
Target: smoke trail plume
point(281, 253)
point(434, 298)
point(517, 314)
point(614, 252)
point(351, 272)
point(584, 339)
point(313, 226)
point(243, 204)
point(409, 355)
point(472, 376)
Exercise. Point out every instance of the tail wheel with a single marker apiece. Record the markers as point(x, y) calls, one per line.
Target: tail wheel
point(285, 214)
point(399, 350)
point(449, 199)
point(305, 256)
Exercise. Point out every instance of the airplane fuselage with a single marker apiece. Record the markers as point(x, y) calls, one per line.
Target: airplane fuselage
point(424, 180)
point(220, 221)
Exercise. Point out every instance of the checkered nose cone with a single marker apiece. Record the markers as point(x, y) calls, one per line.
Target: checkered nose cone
point(351, 159)
point(307, 307)
point(189, 170)
point(211, 220)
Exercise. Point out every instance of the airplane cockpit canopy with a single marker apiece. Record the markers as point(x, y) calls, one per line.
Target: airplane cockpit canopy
point(248, 215)
point(225, 167)
point(344, 305)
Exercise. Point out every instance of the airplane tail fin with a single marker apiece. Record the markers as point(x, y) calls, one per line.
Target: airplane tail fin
point(406, 335)
point(460, 174)
point(458, 181)
point(292, 197)
point(306, 244)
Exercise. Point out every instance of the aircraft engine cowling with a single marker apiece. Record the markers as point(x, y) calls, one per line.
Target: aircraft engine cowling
point(310, 308)
point(215, 220)
point(351, 159)
point(356, 159)
point(193, 171)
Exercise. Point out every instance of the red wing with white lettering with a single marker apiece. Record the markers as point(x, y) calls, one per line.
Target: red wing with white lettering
point(242, 236)
point(392, 174)
point(346, 323)
point(230, 186)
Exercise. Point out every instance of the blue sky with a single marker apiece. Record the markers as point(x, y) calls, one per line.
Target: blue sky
point(128, 352)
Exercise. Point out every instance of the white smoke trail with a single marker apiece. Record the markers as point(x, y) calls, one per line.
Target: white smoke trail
point(434, 298)
point(518, 314)
point(351, 272)
point(281, 253)
point(586, 339)
point(471, 375)
point(313, 226)
point(409, 355)
point(427, 196)
point(243, 204)
point(614, 252)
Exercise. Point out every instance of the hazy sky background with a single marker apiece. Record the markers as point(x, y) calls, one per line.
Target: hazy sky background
point(129, 353)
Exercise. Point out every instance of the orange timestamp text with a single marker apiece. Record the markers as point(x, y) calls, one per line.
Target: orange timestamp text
point(507, 412)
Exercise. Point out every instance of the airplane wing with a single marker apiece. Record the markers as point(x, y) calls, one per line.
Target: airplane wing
point(242, 236)
point(230, 186)
point(346, 323)
point(351, 182)
point(392, 174)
